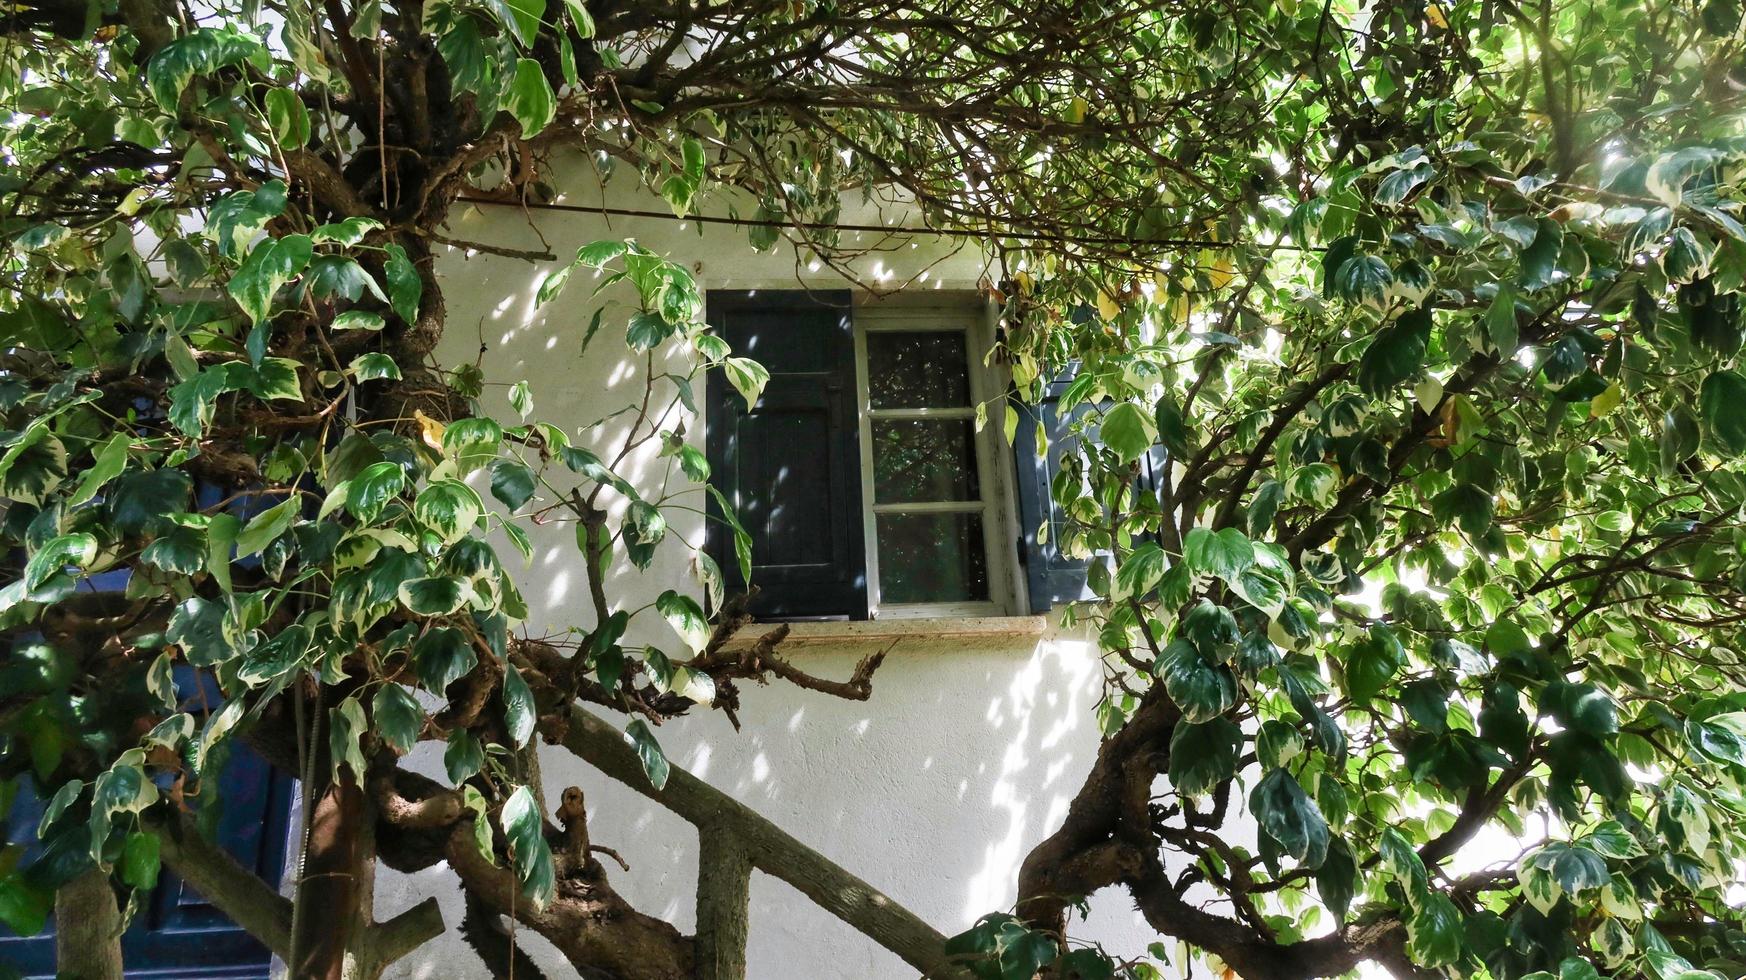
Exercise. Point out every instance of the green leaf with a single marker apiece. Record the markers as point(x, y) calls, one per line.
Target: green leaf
point(693, 464)
point(1576, 869)
point(334, 278)
point(221, 534)
point(1587, 709)
point(649, 751)
point(1504, 639)
point(275, 378)
point(1277, 743)
point(350, 231)
point(398, 716)
point(441, 657)
point(1435, 931)
point(1202, 690)
point(1205, 755)
point(122, 788)
point(530, 100)
point(68, 550)
point(1722, 411)
point(473, 800)
point(1363, 279)
point(1263, 508)
point(373, 488)
point(1336, 879)
point(191, 401)
point(686, 617)
point(580, 17)
point(596, 255)
point(463, 757)
point(450, 508)
point(1140, 572)
point(748, 378)
point(404, 286)
point(521, 398)
point(374, 366)
point(1225, 553)
point(519, 711)
point(1466, 506)
point(1721, 737)
point(201, 51)
point(647, 330)
point(434, 595)
point(107, 463)
point(1611, 839)
point(1373, 663)
point(677, 191)
point(1127, 430)
point(1314, 482)
point(1290, 818)
point(288, 119)
point(33, 466)
point(1540, 260)
point(264, 528)
point(524, 828)
point(1396, 355)
point(24, 907)
point(271, 265)
point(358, 320)
point(522, 17)
point(511, 482)
point(273, 659)
point(1212, 629)
point(1500, 321)
point(474, 442)
point(64, 798)
point(346, 728)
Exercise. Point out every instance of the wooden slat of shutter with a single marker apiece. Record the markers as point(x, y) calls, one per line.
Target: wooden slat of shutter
point(791, 465)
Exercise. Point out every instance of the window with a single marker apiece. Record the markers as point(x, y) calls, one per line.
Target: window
point(859, 475)
point(929, 478)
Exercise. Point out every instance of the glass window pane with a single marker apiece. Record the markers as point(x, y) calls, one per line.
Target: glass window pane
point(924, 459)
point(917, 370)
point(932, 558)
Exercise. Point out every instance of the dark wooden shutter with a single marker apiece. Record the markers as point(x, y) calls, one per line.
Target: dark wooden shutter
point(1051, 578)
point(791, 465)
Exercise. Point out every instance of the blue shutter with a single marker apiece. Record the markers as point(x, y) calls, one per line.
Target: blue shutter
point(791, 465)
point(177, 933)
point(1050, 577)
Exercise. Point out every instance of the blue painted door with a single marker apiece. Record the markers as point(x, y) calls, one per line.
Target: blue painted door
point(178, 933)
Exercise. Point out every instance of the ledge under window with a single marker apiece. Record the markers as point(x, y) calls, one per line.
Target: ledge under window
point(906, 634)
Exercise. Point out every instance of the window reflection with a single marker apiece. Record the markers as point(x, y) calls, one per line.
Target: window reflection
point(932, 558)
point(923, 460)
point(917, 370)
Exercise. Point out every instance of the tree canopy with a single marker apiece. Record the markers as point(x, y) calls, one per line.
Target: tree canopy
point(1428, 313)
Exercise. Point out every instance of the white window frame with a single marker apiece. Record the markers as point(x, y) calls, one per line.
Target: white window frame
point(992, 475)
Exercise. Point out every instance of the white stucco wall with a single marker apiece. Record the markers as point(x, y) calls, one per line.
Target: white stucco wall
point(933, 791)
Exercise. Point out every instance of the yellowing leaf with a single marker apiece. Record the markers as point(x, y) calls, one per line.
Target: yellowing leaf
point(430, 429)
point(1220, 274)
point(1179, 309)
point(1606, 401)
point(1434, 14)
point(1429, 393)
point(1107, 307)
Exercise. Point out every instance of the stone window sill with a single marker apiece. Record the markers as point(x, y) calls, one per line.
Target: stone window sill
point(906, 635)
